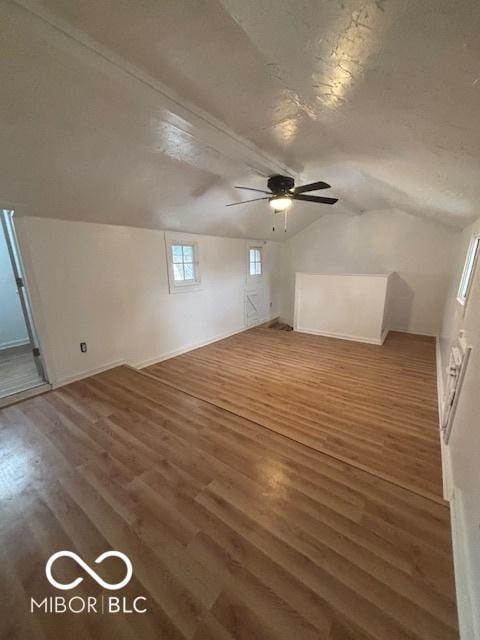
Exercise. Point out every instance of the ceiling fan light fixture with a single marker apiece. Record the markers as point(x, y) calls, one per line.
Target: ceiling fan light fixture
point(282, 192)
point(280, 203)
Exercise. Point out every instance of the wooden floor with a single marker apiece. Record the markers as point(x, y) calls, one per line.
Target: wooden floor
point(17, 370)
point(373, 407)
point(234, 531)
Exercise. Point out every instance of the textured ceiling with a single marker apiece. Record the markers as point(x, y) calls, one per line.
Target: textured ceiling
point(146, 112)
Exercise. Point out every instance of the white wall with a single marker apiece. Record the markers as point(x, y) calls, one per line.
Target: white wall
point(454, 314)
point(12, 324)
point(108, 286)
point(420, 252)
point(462, 455)
point(350, 306)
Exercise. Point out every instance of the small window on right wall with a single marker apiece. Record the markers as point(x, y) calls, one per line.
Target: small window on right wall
point(469, 269)
point(255, 261)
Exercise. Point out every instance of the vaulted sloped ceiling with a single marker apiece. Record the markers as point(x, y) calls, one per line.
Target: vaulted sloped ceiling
point(147, 113)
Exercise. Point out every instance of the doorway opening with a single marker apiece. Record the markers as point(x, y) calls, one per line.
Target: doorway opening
point(21, 366)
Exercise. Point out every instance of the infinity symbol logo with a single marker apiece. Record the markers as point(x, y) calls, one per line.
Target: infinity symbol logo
point(93, 574)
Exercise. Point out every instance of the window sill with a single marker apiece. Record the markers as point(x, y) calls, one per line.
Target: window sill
point(185, 288)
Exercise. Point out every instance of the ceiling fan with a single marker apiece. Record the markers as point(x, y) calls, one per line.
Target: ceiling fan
point(283, 191)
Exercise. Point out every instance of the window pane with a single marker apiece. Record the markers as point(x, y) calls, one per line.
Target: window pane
point(468, 269)
point(258, 255)
point(187, 253)
point(177, 253)
point(252, 268)
point(178, 272)
point(188, 269)
point(252, 255)
point(259, 269)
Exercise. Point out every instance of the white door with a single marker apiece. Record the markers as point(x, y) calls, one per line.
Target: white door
point(25, 369)
point(257, 297)
point(252, 315)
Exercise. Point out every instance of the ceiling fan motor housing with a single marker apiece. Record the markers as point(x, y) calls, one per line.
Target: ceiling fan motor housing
point(279, 185)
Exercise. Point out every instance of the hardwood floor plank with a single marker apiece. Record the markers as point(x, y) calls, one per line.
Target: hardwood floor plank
point(373, 407)
point(342, 558)
point(234, 531)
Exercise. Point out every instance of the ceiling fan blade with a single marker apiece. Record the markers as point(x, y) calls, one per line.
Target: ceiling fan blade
point(313, 186)
point(314, 199)
point(250, 189)
point(234, 204)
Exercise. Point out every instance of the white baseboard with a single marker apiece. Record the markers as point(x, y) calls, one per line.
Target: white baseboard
point(178, 352)
point(440, 388)
point(415, 333)
point(13, 343)
point(196, 345)
point(447, 480)
point(445, 451)
point(468, 608)
point(86, 374)
point(60, 382)
point(342, 336)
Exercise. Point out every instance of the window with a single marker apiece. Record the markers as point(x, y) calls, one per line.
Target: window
point(468, 269)
point(183, 266)
point(255, 261)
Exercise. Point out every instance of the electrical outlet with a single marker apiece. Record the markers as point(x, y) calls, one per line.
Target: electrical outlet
point(83, 347)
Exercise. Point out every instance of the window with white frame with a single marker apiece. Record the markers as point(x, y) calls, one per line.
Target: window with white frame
point(183, 265)
point(468, 269)
point(255, 261)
